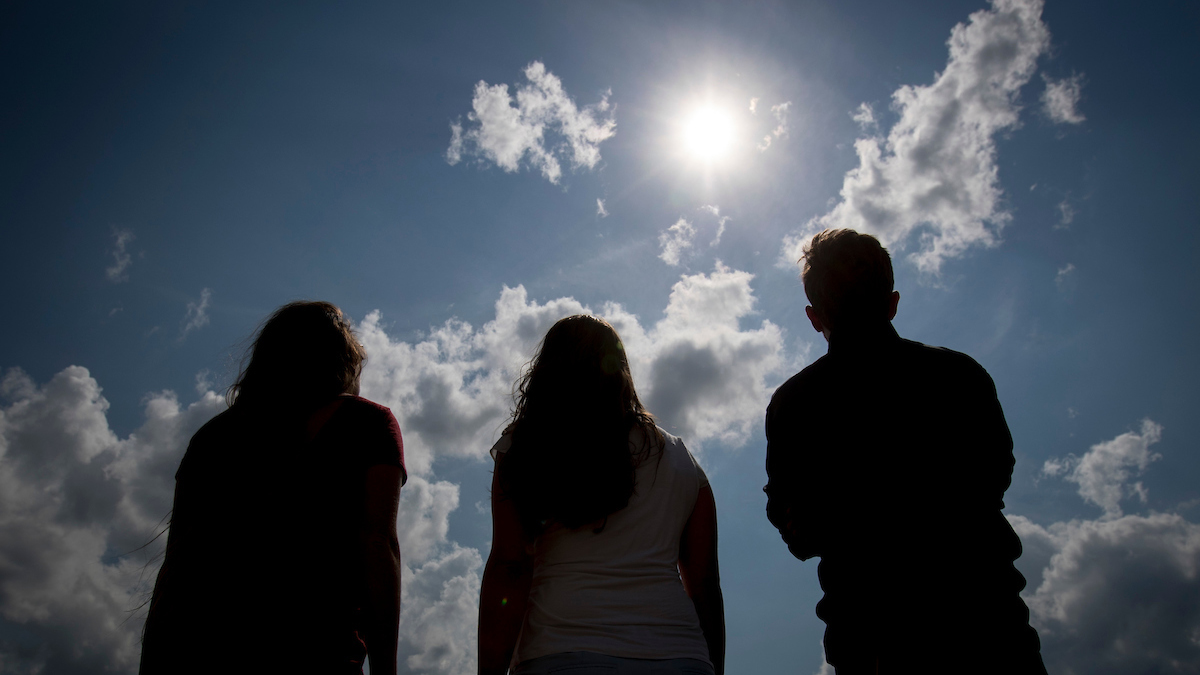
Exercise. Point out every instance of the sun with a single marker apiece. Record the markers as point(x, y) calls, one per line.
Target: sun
point(708, 133)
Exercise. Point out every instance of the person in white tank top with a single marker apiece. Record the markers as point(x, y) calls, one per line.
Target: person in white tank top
point(604, 547)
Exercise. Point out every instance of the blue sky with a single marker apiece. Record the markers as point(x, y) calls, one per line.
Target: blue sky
point(170, 174)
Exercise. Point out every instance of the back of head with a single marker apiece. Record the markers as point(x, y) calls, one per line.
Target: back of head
point(570, 460)
point(304, 354)
point(848, 278)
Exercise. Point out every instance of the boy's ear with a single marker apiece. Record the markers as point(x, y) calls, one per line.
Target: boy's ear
point(817, 324)
point(893, 301)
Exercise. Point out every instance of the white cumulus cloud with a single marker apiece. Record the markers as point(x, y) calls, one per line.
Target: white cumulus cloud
point(1103, 472)
point(696, 369)
point(935, 174)
point(1060, 99)
point(1118, 595)
point(75, 500)
point(542, 125)
point(1121, 593)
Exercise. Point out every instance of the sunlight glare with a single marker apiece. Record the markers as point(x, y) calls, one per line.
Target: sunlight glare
point(708, 133)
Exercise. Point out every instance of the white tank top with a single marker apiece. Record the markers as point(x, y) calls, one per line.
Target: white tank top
point(619, 592)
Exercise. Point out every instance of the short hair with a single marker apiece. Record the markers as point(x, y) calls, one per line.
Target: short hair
point(304, 353)
point(847, 277)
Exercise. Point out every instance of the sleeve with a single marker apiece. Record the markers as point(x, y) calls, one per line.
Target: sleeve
point(995, 443)
point(383, 443)
point(501, 446)
point(792, 506)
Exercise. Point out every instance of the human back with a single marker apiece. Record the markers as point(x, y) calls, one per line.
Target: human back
point(889, 459)
point(267, 561)
point(616, 591)
point(597, 514)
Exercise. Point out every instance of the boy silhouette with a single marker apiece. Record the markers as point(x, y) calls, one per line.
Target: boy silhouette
point(889, 459)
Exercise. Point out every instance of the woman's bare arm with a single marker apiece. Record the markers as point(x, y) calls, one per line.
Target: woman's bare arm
point(381, 549)
point(701, 576)
point(506, 581)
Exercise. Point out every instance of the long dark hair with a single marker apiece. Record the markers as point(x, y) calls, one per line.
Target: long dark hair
point(304, 354)
point(571, 461)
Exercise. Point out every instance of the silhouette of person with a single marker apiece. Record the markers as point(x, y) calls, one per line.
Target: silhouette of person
point(604, 544)
point(889, 459)
point(282, 554)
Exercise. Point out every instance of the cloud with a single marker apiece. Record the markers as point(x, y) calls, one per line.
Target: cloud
point(721, 221)
point(439, 582)
point(1060, 99)
point(781, 127)
point(1104, 470)
point(696, 368)
point(1118, 594)
point(119, 270)
point(74, 498)
point(754, 106)
point(864, 115)
point(935, 175)
point(508, 135)
point(600, 210)
point(1063, 276)
point(197, 314)
point(703, 375)
point(1066, 214)
point(675, 240)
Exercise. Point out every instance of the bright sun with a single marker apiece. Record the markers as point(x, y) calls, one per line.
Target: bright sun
point(708, 133)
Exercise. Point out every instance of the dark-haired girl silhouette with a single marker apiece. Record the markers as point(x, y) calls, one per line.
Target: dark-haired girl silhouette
point(282, 554)
point(604, 549)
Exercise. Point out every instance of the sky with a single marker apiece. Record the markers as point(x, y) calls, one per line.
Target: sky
point(458, 176)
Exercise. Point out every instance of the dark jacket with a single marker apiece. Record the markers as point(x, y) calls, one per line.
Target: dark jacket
point(889, 459)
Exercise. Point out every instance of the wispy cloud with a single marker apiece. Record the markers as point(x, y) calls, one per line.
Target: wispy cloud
point(1066, 214)
point(600, 210)
point(196, 315)
point(675, 240)
point(935, 174)
point(753, 106)
point(864, 115)
point(781, 125)
point(119, 270)
point(1060, 100)
point(510, 133)
point(721, 221)
point(1063, 276)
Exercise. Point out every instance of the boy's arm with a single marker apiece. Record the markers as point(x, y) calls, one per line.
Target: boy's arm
point(790, 505)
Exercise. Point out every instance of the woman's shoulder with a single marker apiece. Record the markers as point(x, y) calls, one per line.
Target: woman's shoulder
point(674, 446)
point(358, 404)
